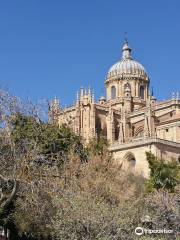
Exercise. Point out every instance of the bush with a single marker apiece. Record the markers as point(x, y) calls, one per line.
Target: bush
point(163, 175)
point(68, 191)
point(99, 201)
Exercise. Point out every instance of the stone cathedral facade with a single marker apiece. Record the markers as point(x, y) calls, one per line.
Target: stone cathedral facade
point(130, 118)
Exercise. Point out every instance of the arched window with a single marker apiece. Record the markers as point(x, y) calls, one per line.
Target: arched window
point(113, 92)
point(127, 87)
point(142, 92)
point(138, 133)
point(127, 90)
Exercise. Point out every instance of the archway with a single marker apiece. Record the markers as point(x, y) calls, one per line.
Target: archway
point(129, 162)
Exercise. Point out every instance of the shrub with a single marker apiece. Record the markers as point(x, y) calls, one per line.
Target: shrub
point(163, 175)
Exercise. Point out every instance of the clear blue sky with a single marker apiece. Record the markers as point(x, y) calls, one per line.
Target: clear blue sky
point(50, 48)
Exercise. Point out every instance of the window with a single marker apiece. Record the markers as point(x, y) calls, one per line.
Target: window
point(167, 130)
point(142, 92)
point(113, 92)
point(127, 87)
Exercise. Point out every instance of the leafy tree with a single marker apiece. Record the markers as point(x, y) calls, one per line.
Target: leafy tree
point(98, 146)
point(163, 175)
point(51, 140)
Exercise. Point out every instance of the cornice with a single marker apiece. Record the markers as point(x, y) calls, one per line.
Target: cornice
point(142, 142)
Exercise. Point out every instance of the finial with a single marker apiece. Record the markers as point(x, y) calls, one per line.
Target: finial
point(55, 104)
point(82, 91)
point(125, 37)
point(56, 100)
point(177, 96)
point(92, 96)
point(77, 96)
point(152, 91)
point(173, 95)
point(126, 50)
point(89, 91)
point(149, 93)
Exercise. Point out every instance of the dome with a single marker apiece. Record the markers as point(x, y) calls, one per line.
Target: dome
point(127, 66)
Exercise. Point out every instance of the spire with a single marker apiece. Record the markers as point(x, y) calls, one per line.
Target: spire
point(177, 96)
point(77, 98)
point(55, 104)
point(93, 98)
point(152, 92)
point(82, 91)
point(126, 50)
point(89, 91)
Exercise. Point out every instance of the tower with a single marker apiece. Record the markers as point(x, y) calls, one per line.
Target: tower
point(85, 114)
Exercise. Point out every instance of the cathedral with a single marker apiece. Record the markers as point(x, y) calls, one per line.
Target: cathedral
point(129, 117)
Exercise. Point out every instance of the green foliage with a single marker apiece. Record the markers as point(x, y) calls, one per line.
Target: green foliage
point(163, 175)
point(98, 146)
point(24, 128)
point(51, 140)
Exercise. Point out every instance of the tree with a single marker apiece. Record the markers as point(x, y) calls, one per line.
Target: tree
point(163, 174)
point(98, 146)
point(52, 187)
point(33, 153)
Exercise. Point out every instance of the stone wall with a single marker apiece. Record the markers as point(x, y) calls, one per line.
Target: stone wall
point(141, 165)
point(132, 155)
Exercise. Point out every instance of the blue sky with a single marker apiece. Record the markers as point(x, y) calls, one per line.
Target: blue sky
point(50, 48)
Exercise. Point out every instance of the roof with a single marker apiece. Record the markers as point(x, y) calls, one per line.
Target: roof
point(126, 65)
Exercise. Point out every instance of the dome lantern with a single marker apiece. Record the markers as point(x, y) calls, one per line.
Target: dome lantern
point(126, 51)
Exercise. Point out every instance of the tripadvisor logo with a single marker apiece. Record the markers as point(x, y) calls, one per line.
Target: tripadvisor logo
point(139, 231)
